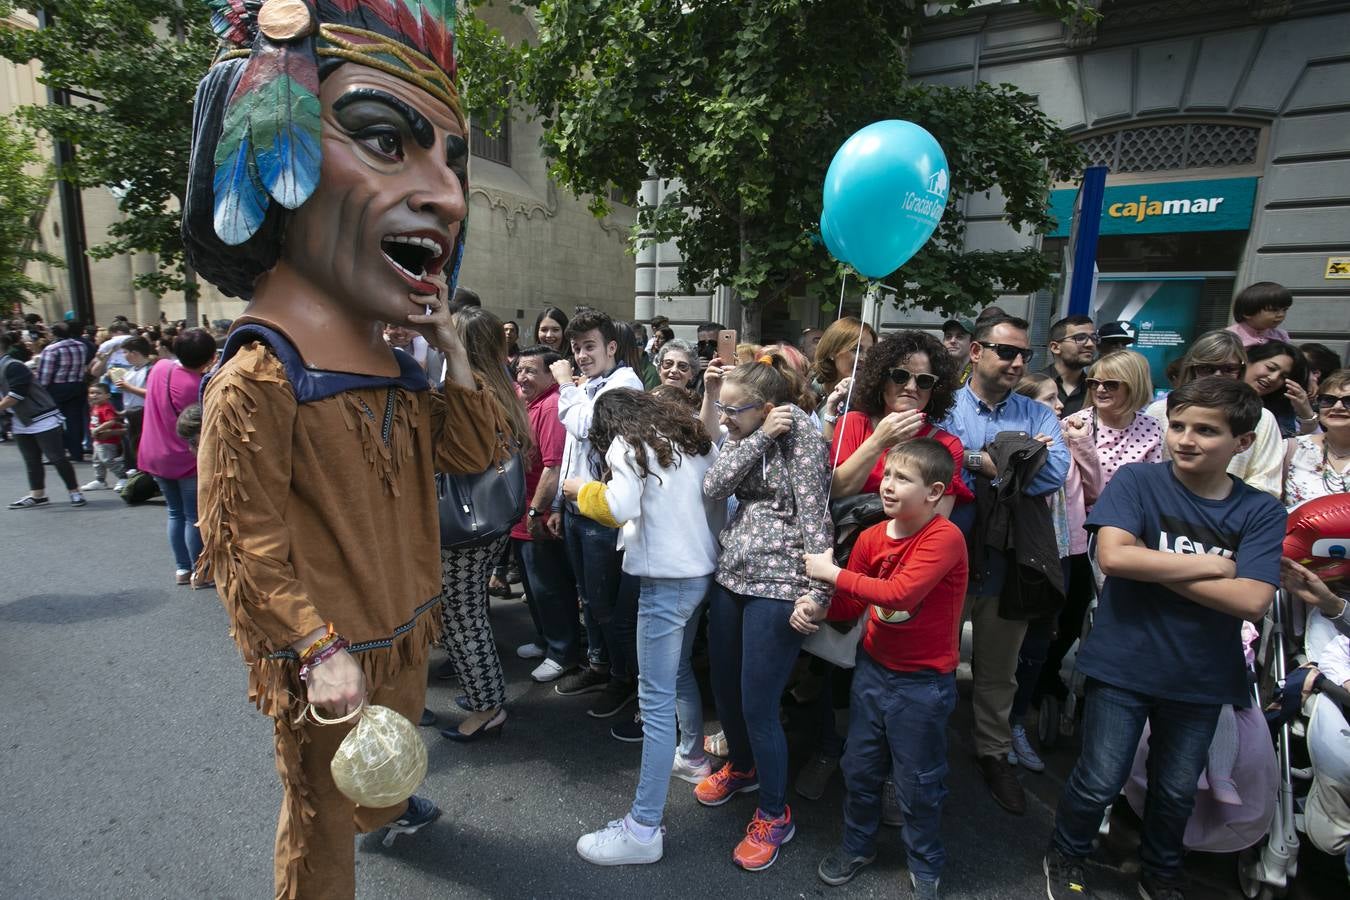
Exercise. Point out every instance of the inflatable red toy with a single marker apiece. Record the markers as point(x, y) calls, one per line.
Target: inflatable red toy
point(1318, 536)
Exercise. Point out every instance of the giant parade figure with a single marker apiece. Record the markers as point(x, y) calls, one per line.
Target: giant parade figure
point(328, 189)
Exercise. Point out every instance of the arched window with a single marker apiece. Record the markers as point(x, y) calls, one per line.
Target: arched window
point(1167, 147)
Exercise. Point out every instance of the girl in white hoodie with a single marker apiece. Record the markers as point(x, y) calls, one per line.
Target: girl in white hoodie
point(656, 456)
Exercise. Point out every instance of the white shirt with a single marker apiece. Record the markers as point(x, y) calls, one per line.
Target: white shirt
point(669, 526)
point(576, 407)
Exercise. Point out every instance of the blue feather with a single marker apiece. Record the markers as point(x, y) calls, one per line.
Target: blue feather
point(240, 201)
point(286, 137)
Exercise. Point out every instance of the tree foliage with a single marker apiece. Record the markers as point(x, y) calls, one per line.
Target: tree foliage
point(133, 67)
point(744, 105)
point(25, 185)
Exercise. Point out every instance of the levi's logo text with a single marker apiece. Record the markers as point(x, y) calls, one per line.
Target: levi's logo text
point(1176, 536)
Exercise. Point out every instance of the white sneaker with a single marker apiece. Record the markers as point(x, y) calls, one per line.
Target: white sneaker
point(530, 651)
point(120, 485)
point(690, 770)
point(547, 671)
point(615, 845)
point(94, 485)
point(1026, 755)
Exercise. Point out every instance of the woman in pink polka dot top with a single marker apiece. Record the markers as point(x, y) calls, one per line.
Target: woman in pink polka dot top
point(1111, 431)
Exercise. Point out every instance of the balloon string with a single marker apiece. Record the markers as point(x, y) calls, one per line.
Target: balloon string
point(848, 401)
point(839, 310)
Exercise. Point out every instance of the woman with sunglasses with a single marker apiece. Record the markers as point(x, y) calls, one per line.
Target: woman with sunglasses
point(1105, 435)
point(1319, 464)
point(677, 364)
point(907, 383)
point(1221, 353)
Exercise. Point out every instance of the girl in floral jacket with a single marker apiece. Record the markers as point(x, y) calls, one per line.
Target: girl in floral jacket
point(775, 464)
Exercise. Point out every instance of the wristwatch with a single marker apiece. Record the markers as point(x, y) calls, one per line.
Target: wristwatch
point(532, 513)
point(974, 460)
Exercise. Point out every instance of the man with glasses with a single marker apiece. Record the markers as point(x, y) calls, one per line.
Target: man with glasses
point(999, 354)
point(1073, 346)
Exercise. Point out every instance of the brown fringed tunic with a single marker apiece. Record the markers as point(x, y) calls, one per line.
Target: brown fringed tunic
point(325, 512)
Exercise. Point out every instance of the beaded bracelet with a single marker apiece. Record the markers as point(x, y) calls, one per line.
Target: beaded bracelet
point(322, 656)
point(323, 641)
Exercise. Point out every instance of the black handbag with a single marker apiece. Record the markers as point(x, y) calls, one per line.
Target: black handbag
point(477, 509)
point(851, 515)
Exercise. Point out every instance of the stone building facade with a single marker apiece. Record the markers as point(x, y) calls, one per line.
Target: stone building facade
point(1243, 101)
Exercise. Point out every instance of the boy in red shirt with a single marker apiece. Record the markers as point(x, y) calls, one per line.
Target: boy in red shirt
point(105, 427)
point(908, 577)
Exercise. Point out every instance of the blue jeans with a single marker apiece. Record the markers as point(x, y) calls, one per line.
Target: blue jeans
point(667, 621)
point(552, 596)
point(592, 549)
point(898, 725)
point(1178, 749)
point(752, 649)
point(184, 539)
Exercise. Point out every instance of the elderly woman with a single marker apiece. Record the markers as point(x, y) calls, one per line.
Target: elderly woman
point(677, 364)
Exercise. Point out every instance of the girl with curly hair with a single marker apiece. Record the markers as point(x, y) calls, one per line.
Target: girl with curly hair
point(905, 385)
point(655, 456)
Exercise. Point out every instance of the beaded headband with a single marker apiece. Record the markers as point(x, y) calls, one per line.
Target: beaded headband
point(269, 145)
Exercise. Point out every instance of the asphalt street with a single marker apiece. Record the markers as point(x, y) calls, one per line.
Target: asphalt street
point(132, 764)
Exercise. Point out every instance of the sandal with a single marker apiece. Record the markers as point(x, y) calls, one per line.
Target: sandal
point(716, 744)
point(29, 502)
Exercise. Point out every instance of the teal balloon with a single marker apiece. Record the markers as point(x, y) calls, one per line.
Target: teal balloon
point(831, 238)
point(885, 192)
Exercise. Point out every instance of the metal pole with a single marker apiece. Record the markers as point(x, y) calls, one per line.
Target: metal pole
point(72, 214)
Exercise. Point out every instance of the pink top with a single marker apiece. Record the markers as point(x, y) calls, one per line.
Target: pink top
point(169, 389)
point(1251, 337)
point(1105, 449)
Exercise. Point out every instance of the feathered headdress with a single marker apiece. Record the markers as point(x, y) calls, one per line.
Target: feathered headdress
point(269, 143)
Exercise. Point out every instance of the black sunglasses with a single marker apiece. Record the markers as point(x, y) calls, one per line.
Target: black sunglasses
point(1106, 384)
point(1326, 401)
point(1008, 352)
point(922, 380)
point(1228, 370)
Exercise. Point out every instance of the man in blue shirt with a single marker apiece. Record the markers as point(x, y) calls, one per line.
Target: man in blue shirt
point(999, 354)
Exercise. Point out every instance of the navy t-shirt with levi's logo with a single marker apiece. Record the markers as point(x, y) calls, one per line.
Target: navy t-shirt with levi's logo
point(1148, 638)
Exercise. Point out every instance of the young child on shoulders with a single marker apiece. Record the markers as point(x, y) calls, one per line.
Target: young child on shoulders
point(908, 576)
point(1189, 553)
point(1259, 310)
point(105, 427)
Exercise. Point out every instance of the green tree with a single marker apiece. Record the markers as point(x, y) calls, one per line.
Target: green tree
point(132, 67)
point(745, 104)
point(25, 186)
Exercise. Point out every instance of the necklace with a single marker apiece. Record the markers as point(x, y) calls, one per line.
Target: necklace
point(1335, 482)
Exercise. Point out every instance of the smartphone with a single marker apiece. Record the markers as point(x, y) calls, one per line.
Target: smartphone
point(726, 346)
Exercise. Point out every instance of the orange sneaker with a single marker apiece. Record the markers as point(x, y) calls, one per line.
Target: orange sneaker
point(725, 783)
point(763, 837)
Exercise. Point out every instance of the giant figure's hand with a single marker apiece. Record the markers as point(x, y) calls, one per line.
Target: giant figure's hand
point(337, 685)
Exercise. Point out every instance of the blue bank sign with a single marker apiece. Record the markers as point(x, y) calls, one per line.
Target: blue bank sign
point(1223, 204)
